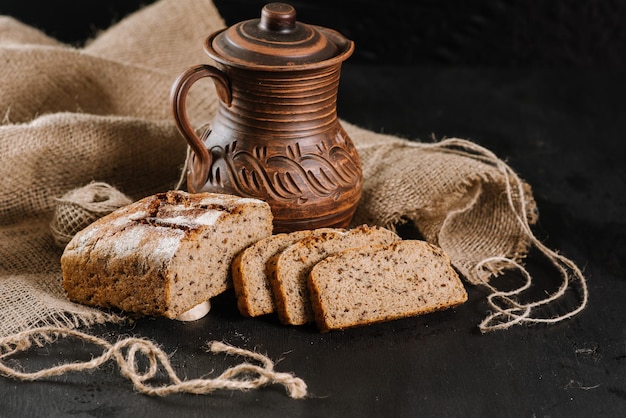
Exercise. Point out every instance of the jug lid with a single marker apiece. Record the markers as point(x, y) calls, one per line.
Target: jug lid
point(277, 41)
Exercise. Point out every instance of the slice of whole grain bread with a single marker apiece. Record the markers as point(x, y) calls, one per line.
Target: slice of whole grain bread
point(288, 270)
point(383, 282)
point(249, 271)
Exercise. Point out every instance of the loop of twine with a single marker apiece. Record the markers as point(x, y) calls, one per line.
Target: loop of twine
point(242, 377)
point(507, 309)
point(80, 207)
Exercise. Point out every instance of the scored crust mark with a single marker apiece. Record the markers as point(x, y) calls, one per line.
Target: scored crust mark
point(164, 254)
point(175, 210)
point(382, 282)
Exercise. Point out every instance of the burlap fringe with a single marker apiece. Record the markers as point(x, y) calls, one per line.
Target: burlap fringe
point(242, 377)
point(507, 308)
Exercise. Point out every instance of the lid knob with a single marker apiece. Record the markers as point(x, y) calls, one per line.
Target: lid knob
point(279, 17)
point(277, 41)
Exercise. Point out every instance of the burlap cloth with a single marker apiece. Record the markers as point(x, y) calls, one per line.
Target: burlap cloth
point(71, 116)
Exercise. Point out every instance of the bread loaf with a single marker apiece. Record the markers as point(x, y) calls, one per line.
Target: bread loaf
point(164, 254)
point(290, 268)
point(379, 283)
point(249, 271)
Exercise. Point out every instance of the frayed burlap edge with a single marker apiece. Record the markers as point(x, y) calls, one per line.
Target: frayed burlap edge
point(47, 305)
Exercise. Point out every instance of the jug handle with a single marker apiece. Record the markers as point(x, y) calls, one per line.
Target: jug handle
point(199, 169)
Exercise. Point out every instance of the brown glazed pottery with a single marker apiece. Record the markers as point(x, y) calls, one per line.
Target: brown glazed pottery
point(276, 135)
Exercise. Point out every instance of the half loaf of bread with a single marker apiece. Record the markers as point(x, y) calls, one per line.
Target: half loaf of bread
point(164, 254)
point(249, 271)
point(290, 269)
point(379, 283)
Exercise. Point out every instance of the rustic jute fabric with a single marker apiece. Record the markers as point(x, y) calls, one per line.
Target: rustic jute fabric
point(100, 113)
point(79, 207)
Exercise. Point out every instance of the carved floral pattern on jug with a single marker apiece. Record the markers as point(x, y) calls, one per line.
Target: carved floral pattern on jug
point(326, 170)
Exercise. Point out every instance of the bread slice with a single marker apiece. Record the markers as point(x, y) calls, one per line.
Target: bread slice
point(164, 254)
point(249, 271)
point(380, 283)
point(290, 268)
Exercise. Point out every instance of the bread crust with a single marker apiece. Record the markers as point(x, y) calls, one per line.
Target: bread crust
point(288, 270)
point(366, 285)
point(250, 271)
point(164, 254)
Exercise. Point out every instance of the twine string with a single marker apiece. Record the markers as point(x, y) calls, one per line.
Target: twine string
point(81, 206)
point(507, 310)
point(126, 353)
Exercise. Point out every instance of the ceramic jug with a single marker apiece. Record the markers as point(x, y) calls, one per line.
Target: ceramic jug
point(275, 135)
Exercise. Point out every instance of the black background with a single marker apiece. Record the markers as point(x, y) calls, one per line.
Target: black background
point(500, 33)
point(541, 83)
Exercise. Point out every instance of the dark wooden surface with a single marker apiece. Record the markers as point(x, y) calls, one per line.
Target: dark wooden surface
point(562, 129)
